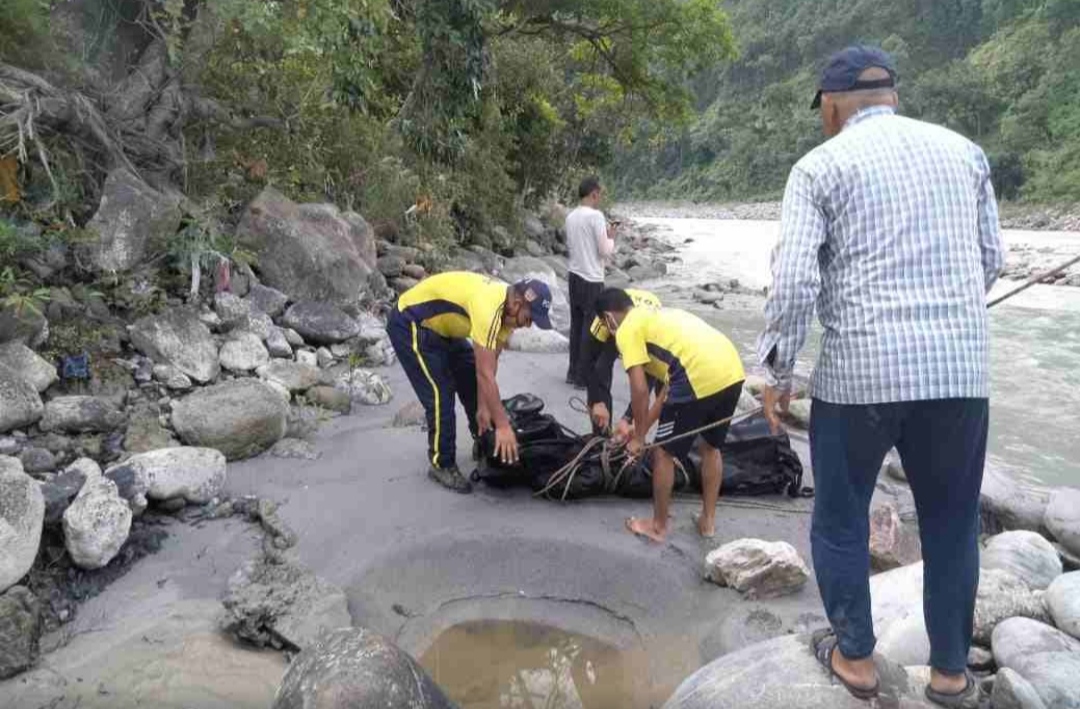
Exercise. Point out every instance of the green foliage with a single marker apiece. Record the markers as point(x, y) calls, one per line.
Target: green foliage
point(22, 25)
point(1003, 72)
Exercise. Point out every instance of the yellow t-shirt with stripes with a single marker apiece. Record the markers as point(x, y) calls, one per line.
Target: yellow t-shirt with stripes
point(682, 350)
point(459, 304)
point(641, 298)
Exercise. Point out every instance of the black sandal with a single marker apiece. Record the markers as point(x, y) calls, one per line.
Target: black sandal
point(967, 698)
point(823, 643)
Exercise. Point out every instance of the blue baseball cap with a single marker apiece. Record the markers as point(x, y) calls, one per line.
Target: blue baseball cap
point(538, 296)
point(842, 71)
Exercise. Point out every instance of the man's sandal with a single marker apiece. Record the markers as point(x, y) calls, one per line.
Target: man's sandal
point(823, 644)
point(967, 698)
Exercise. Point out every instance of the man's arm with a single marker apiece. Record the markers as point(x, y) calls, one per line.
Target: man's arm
point(598, 360)
point(990, 243)
point(605, 243)
point(796, 281)
point(639, 401)
point(487, 365)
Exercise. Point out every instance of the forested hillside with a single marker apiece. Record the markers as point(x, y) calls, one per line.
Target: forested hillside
point(1006, 73)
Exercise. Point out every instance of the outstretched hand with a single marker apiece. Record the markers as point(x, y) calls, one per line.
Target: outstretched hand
point(601, 417)
point(506, 445)
point(775, 402)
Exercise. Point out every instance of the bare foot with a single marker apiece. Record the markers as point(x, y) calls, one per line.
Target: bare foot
point(946, 683)
point(858, 673)
point(705, 527)
point(645, 528)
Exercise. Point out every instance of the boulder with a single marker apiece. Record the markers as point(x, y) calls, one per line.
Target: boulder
point(96, 524)
point(294, 376)
point(282, 603)
point(243, 352)
point(145, 431)
point(20, 631)
point(306, 250)
point(757, 568)
point(294, 448)
point(231, 309)
point(172, 377)
point(559, 265)
point(896, 594)
point(403, 283)
point(24, 324)
point(1047, 658)
point(130, 217)
point(740, 629)
point(264, 299)
point(258, 323)
point(293, 337)
point(905, 641)
point(60, 491)
point(240, 418)
point(320, 323)
point(1063, 518)
point(1011, 691)
point(405, 253)
point(277, 344)
point(524, 267)
point(885, 541)
point(1003, 595)
point(324, 357)
point(784, 673)
point(36, 371)
point(534, 228)
point(1063, 601)
point(380, 354)
point(329, 398)
point(392, 266)
point(799, 410)
point(533, 248)
point(1026, 554)
point(411, 414)
point(538, 341)
point(178, 337)
point(414, 270)
point(355, 668)
point(308, 358)
point(364, 387)
point(20, 404)
point(22, 513)
point(1009, 504)
point(197, 475)
point(363, 238)
point(37, 460)
point(81, 414)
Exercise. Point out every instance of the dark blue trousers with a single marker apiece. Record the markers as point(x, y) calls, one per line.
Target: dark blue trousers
point(440, 369)
point(942, 445)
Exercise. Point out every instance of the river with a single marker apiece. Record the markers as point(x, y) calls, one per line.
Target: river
point(1035, 346)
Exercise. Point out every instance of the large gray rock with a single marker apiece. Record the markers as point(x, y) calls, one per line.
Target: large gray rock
point(523, 267)
point(22, 513)
point(355, 668)
point(895, 595)
point(1003, 595)
point(1008, 504)
point(282, 603)
point(363, 238)
point(1063, 602)
point(277, 344)
point(59, 492)
point(1026, 554)
point(28, 364)
point(784, 673)
point(20, 631)
point(306, 250)
point(24, 324)
point(1044, 656)
point(97, 524)
point(81, 414)
point(538, 341)
point(20, 404)
point(364, 387)
point(195, 474)
point(294, 376)
point(231, 309)
point(757, 568)
point(243, 352)
point(178, 337)
point(130, 217)
point(265, 299)
point(1063, 518)
point(240, 418)
point(320, 323)
point(172, 377)
point(905, 641)
point(885, 541)
point(1011, 691)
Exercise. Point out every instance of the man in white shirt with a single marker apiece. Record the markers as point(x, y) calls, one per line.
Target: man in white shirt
point(591, 241)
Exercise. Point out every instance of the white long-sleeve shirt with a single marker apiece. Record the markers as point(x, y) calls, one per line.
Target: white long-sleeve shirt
point(588, 242)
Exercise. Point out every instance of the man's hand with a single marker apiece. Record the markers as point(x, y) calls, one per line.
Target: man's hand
point(601, 417)
point(623, 430)
point(506, 445)
point(775, 402)
point(634, 447)
point(483, 419)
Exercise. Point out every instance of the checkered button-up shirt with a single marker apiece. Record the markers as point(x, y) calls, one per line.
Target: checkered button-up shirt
point(891, 230)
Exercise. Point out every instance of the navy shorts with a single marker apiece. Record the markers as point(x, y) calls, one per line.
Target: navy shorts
point(677, 419)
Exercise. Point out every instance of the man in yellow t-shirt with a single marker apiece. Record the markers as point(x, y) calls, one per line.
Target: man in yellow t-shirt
point(597, 361)
point(431, 329)
point(703, 377)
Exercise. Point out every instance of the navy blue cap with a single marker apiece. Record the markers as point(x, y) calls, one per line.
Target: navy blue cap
point(538, 296)
point(842, 71)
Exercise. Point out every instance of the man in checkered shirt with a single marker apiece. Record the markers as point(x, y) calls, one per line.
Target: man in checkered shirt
point(890, 229)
